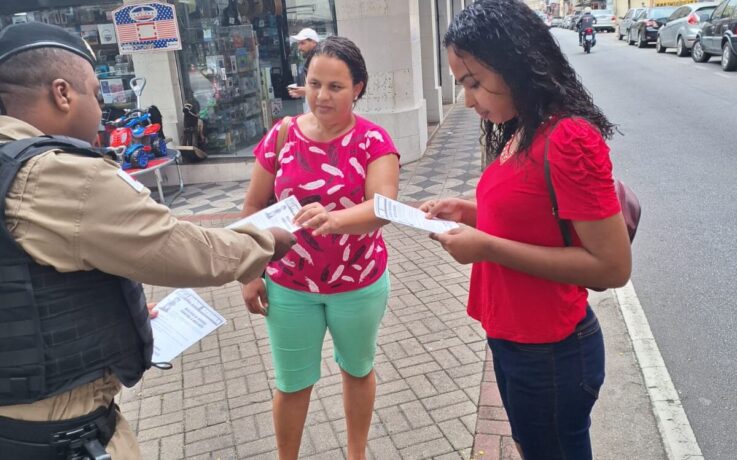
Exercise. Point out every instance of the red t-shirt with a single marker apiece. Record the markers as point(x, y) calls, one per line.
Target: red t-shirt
point(514, 203)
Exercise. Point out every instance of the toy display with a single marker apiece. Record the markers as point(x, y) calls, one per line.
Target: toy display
point(135, 138)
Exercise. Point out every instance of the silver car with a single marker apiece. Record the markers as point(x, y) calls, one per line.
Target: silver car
point(605, 20)
point(682, 27)
point(626, 22)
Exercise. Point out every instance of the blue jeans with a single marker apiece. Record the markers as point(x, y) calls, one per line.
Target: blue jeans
point(548, 391)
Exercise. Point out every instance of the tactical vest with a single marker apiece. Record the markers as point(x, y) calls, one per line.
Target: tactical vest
point(62, 330)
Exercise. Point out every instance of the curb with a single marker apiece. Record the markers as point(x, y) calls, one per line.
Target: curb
point(675, 430)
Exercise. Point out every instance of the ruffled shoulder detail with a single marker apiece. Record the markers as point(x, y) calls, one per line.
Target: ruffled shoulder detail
point(581, 171)
point(578, 150)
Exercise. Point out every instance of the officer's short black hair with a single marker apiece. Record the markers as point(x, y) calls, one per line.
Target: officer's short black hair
point(24, 74)
point(33, 55)
point(19, 38)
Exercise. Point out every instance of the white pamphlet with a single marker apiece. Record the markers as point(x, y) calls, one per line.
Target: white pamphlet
point(280, 214)
point(386, 208)
point(183, 320)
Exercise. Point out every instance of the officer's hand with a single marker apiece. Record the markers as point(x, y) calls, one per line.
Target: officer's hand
point(283, 240)
point(151, 312)
point(254, 295)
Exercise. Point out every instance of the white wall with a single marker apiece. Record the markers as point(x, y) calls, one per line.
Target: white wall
point(429, 42)
point(388, 33)
point(162, 86)
point(445, 15)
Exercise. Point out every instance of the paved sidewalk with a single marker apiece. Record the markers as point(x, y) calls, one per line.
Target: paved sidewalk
point(431, 400)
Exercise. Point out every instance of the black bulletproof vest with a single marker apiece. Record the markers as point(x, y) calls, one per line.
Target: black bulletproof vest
point(61, 330)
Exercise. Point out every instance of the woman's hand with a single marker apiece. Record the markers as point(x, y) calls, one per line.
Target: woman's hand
point(446, 208)
point(465, 244)
point(316, 217)
point(254, 295)
point(152, 312)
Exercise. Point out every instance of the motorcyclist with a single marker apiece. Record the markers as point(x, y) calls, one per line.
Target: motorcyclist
point(586, 21)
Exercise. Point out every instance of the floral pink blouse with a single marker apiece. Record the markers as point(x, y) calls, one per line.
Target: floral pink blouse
point(333, 174)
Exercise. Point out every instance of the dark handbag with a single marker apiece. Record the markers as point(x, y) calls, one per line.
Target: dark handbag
point(628, 201)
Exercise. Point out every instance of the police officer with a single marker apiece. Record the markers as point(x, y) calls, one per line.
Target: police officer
point(74, 232)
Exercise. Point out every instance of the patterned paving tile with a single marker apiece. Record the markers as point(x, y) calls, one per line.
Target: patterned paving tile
point(216, 401)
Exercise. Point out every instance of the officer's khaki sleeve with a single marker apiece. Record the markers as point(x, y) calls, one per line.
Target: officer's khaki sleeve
point(124, 232)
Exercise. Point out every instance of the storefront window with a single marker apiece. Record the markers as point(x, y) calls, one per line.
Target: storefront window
point(228, 48)
point(237, 62)
point(94, 24)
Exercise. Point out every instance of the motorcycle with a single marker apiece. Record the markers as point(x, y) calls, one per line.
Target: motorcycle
point(588, 40)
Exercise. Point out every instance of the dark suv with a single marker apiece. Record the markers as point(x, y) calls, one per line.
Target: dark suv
point(719, 36)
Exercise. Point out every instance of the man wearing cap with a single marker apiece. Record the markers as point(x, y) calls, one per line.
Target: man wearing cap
point(307, 39)
point(75, 231)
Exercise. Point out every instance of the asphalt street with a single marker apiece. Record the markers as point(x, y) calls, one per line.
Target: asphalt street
point(678, 151)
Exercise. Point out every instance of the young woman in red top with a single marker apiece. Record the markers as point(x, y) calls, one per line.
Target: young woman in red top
point(526, 286)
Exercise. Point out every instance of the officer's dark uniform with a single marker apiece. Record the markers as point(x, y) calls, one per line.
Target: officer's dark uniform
point(74, 232)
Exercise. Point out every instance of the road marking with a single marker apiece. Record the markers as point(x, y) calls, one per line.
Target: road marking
point(701, 67)
point(675, 430)
point(722, 74)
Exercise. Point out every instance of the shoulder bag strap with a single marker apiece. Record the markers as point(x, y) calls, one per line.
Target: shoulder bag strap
point(564, 230)
point(281, 138)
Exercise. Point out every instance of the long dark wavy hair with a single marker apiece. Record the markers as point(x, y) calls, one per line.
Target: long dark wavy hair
point(510, 39)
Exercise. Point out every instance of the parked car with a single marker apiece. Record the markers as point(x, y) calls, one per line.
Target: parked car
point(718, 36)
point(682, 26)
point(625, 22)
point(567, 22)
point(645, 28)
point(556, 22)
point(574, 20)
point(605, 20)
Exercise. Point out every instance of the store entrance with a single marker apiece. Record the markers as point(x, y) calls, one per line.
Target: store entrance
point(234, 69)
point(236, 63)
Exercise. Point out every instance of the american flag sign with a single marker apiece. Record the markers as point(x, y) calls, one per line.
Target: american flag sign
point(145, 27)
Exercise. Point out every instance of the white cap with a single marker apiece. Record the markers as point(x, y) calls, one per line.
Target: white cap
point(587, 9)
point(305, 34)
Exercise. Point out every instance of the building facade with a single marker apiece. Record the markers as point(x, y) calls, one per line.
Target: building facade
point(236, 62)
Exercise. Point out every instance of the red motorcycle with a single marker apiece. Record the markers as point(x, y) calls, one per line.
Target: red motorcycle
point(588, 40)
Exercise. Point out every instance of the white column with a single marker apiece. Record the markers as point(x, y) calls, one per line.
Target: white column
point(429, 42)
point(162, 88)
point(388, 33)
point(445, 14)
point(458, 5)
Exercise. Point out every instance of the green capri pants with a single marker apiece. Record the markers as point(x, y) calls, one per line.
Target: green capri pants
point(297, 322)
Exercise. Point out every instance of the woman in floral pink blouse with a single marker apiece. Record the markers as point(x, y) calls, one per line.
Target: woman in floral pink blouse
point(335, 278)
